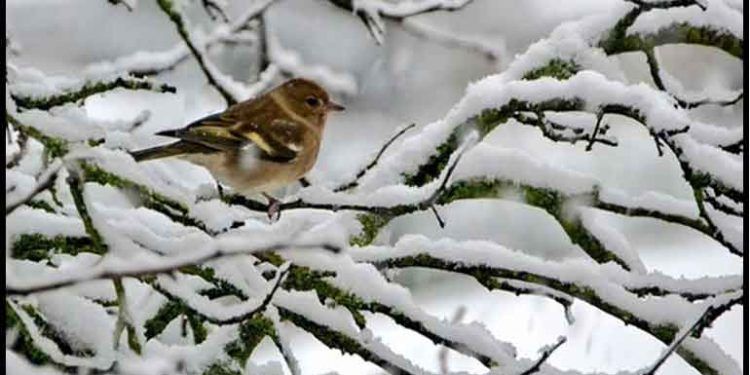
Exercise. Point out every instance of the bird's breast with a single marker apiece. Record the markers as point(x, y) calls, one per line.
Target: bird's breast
point(247, 173)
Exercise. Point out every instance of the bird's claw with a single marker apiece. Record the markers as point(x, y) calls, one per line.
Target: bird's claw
point(274, 208)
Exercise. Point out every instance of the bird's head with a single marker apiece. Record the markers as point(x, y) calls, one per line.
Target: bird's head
point(307, 99)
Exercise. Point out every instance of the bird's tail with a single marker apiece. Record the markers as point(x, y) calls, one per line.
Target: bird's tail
point(158, 152)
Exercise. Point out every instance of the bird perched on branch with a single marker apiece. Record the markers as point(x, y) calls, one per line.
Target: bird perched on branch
point(259, 145)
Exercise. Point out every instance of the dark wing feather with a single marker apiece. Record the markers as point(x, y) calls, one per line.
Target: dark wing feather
point(172, 149)
point(211, 131)
point(256, 122)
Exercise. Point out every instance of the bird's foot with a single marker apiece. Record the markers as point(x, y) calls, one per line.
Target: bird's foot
point(274, 208)
point(220, 191)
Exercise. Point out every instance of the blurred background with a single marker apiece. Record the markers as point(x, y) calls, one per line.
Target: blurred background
point(413, 79)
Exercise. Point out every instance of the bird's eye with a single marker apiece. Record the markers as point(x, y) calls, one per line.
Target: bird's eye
point(312, 101)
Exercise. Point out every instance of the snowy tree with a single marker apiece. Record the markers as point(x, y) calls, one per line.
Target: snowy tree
point(116, 266)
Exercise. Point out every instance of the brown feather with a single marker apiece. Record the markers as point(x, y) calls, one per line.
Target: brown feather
point(258, 144)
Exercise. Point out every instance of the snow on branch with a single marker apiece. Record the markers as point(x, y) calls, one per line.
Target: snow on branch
point(291, 63)
point(493, 50)
point(44, 182)
point(144, 63)
point(62, 90)
point(373, 12)
point(225, 85)
point(578, 279)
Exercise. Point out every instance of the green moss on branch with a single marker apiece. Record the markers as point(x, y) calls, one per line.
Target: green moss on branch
point(482, 274)
point(88, 89)
point(555, 68)
point(371, 226)
point(546, 199)
point(37, 247)
point(485, 122)
point(53, 147)
point(252, 331)
point(23, 344)
point(175, 210)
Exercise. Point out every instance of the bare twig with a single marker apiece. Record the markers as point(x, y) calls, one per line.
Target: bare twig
point(375, 160)
point(166, 60)
point(450, 39)
point(592, 137)
point(519, 287)
point(736, 147)
point(214, 10)
point(723, 103)
point(546, 353)
point(655, 71)
point(723, 207)
point(443, 353)
point(121, 2)
point(177, 18)
point(552, 130)
point(380, 210)
point(664, 4)
point(675, 344)
point(718, 308)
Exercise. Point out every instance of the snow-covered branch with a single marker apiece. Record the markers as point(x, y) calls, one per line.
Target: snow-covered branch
point(373, 12)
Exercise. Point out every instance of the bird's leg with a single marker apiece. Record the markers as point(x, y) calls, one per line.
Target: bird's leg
point(220, 190)
point(274, 207)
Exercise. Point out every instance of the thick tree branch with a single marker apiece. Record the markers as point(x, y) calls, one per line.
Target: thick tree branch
point(664, 332)
point(103, 272)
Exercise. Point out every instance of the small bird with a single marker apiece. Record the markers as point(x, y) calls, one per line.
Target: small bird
point(259, 145)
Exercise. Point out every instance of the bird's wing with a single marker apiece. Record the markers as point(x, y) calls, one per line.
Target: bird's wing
point(227, 132)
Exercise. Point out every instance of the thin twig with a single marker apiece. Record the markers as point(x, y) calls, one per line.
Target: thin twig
point(722, 103)
point(592, 137)
point(675, 344)
point(450, 39)
point(375, 160)
point(723, 207)
point(551, 129)
point(546, 353)
point(212, 8)
point(664, 4)
point(121, 2)
point(176, 17)
point(655, 71)
point(443, 353)
point(401, 209)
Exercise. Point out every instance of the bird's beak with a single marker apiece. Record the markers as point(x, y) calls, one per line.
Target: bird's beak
point(334, 107)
